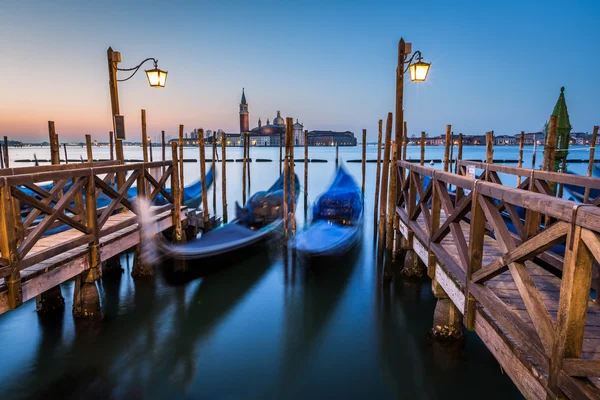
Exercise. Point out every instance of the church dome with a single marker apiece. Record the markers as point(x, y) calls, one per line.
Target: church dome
point(278, 120)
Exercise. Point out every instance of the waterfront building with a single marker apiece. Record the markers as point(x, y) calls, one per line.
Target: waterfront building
point(331, 138)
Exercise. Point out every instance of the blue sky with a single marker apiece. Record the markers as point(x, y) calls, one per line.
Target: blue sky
point(495, 66)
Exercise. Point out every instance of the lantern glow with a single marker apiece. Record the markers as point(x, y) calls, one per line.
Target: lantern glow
point(156, 78)
point(419, 71)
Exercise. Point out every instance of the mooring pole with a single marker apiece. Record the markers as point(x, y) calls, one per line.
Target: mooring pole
point(447, 147)
point(586, 195)
point(459, 156)
point(520, 162)
point(245, 139)
point(214, 169)
point(181, 181)
point(111, 145)
point(305, 175)
point(337, 153)
point(384, 179)
point(175, 190)
point(6, 158)
point(144, 137)
point(389, 238)
point(422, 159)
point(54, 146)
point(206, 226)
point(364, 159)
point(377, 178)
point(280, 155)
point(404, 141)
point(248, 162)
point(286, 184)
point(1, 155)
point(65, 150)
point(164, 152)
point(292, 174)
point(224, 175)
point(88, 146)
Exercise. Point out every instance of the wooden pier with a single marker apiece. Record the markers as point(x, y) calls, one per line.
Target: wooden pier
point(516, 263)
point(52, 233)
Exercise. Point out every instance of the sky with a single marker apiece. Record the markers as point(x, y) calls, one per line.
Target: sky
point(330, 64)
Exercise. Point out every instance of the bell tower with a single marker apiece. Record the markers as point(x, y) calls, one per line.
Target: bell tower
point(244, 116)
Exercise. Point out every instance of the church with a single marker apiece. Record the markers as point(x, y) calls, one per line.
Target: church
point(269, 134)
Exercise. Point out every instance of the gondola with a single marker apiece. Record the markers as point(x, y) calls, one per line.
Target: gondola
point(337, 220)
point(259, 219)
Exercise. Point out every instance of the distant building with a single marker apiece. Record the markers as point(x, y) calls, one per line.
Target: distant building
point(331, 138)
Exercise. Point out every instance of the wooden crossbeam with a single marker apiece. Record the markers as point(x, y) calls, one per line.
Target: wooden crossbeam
point(529, 293)
point(119, 199)
point(159, 186)
point(538, 244)
point(455, 228)
point(461, 210)
point(31, 239)
point(52, 196)
point(45, 208)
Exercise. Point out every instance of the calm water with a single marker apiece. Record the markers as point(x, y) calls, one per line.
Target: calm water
point(256, 328)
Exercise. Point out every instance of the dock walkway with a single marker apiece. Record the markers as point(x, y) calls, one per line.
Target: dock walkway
point(64, 221)
point(517, 263)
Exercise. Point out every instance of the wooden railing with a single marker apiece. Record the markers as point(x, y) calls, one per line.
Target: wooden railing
point(72, 200)
point(480, 217)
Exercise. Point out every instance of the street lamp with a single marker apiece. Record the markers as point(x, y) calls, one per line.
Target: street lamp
point(418, 73)
point(156, 78)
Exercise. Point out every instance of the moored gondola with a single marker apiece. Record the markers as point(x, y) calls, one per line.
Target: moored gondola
point(337, 220)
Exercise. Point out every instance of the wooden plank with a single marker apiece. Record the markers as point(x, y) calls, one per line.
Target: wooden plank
point(521, 374)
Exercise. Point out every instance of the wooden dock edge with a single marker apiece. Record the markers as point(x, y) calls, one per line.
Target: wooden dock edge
point(523, 376)
point(71, 267)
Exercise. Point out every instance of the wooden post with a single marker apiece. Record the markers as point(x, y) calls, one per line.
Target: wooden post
point(377, 179)
point(404, 141)
point(520, 162)
point(88, 146)
point(447, 147)
point(400, 94)
point(214, 171)
point(364, 158)
point(384, 179)
point(573, 304)
point(288, 126)
point(1, 156)
point(248, 162)
point(280, 155)
point(111, 145)
point(164, 155)
point(224, 175)
point(66, 155)
point(586, 195)
point(245, 138)
point(550, 146)
point(162, 138)
point(54, 146)
point(391, 212)
point(181, 181)
point(206, 226)
point(8, 245)
point(292, 177)
point(489, 147)
point(6, 158)
point(459, 156)
point(337, 154)
point(305, 175)
point(91, 218)
point(175, 190)
point(144, 137)
point(422, 160)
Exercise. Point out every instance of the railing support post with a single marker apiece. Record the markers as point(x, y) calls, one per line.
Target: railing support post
point(8, 246)
point(573, 304)
point(175, 190)
point(476, 238)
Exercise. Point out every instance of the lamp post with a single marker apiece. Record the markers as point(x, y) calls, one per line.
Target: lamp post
point(156, 78)
point(418, 73)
